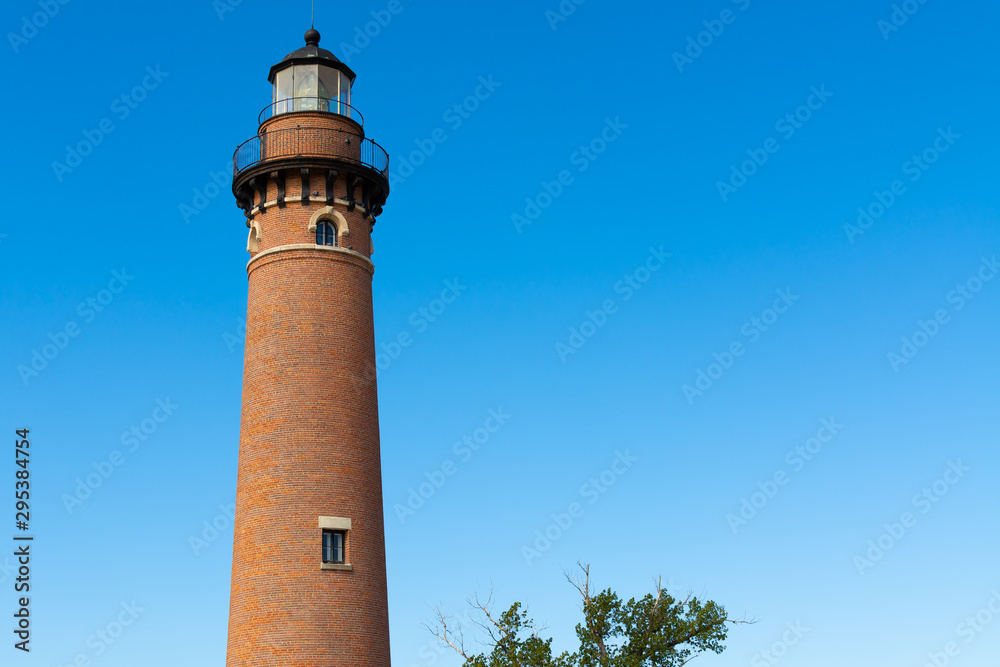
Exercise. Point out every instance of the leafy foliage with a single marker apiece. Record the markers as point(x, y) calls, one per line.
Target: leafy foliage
point(654, 631)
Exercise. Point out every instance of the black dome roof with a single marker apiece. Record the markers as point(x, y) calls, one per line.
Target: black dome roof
point(311, 54)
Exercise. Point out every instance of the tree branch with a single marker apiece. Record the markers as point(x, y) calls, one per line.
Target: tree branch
point(446, 635)
point(646, 649)
point(584, 589)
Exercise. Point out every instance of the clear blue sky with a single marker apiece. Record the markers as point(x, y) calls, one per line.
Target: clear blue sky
point(171, 332)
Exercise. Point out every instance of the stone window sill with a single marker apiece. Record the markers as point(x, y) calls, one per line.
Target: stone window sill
point(340, 567)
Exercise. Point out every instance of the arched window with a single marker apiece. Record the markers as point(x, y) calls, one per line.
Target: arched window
point(326, 233)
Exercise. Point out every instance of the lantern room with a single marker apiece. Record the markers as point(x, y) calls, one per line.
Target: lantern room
point(311, 79)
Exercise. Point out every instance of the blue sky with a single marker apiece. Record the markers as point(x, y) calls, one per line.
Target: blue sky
point(633, 143)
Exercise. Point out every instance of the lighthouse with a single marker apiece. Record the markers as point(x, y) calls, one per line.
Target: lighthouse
point(308, 578)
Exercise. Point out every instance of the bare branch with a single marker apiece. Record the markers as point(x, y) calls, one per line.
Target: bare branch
point(448, 636)
point(743, 621)
point(574, 579)
point(486, 608)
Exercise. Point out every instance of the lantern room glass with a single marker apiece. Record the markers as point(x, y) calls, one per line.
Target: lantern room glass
point(312, 88)
point(283, 91)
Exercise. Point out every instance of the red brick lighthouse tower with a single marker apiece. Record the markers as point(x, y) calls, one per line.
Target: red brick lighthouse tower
point(309, 582)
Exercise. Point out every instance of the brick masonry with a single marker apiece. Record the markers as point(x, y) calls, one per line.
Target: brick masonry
point(309, 447)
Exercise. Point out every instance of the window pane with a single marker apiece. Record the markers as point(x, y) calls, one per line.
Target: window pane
point(338, 547)
point(282, 90)
point(329, 88)
point(306, 86)
point(326, 233)
point(345, 93)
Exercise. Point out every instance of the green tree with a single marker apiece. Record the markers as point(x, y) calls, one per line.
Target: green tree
point(654, 631)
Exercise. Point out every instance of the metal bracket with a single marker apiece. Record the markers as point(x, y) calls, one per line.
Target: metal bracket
point(259, 183)
point(352, 185)
point(279, 178)
point(305, 185)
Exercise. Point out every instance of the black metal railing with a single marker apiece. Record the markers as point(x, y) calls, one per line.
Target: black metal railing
point(320, 104)
point(311, 142)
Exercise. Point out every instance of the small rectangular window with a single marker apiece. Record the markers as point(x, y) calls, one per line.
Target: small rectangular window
point(333, 547)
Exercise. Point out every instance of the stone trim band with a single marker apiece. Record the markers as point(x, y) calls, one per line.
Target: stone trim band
point(335, 253)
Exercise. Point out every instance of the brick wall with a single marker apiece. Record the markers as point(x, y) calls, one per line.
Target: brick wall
point(309, 447)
